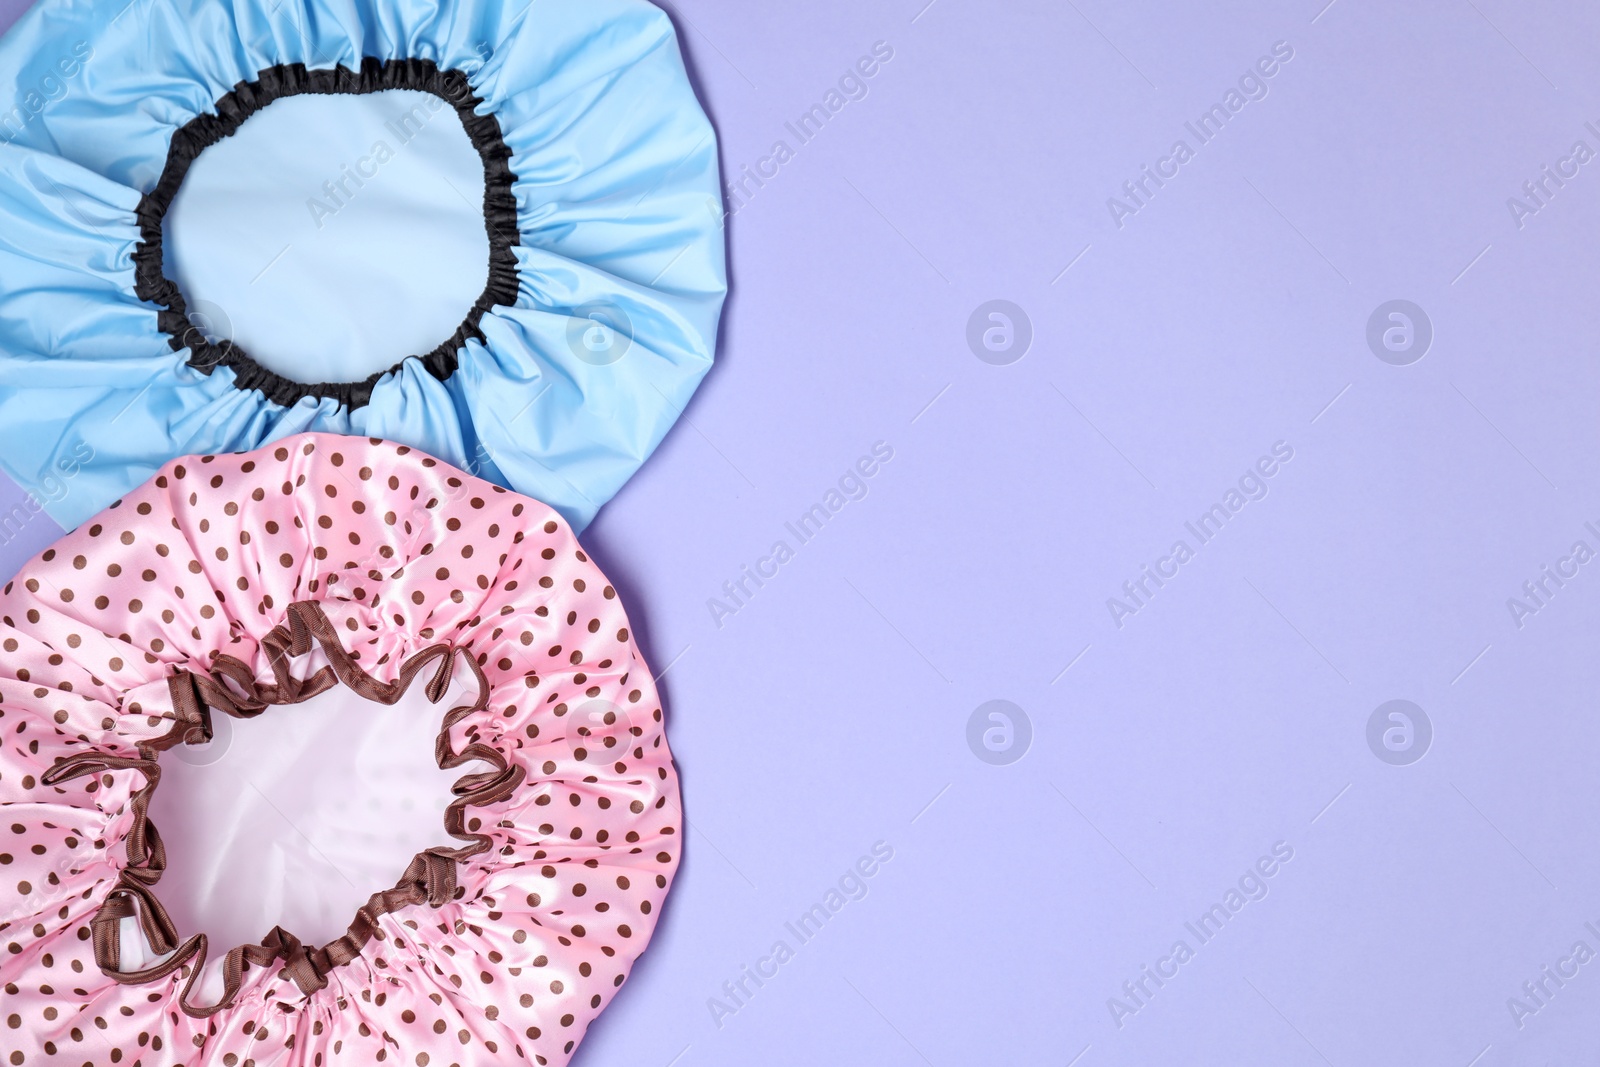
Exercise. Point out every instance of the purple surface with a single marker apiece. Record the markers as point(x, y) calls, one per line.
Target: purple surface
point(1230, 712)
point(25, 528)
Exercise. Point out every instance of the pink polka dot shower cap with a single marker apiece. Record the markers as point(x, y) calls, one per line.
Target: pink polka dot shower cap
point(228, 584)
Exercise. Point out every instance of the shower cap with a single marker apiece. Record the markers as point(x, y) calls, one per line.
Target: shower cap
point(218, 588)
point(601, 213)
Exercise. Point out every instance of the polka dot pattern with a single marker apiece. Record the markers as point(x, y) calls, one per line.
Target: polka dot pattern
point(196, 595)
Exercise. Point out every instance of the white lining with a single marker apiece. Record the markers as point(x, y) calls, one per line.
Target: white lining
point(296, 817)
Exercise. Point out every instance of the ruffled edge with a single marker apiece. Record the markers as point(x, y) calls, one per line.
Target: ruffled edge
point(231, 688)
point(295, 79)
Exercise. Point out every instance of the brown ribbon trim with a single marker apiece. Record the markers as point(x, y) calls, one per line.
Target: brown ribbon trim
point(231, 688)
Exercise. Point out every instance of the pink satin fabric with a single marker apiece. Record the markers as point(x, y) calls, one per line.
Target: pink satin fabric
point(400, 552)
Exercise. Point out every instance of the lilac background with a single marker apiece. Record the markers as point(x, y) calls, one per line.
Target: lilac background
point(830, 711)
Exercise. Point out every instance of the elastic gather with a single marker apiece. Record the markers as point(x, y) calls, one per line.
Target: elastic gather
point(294, 79)
point(230, 688)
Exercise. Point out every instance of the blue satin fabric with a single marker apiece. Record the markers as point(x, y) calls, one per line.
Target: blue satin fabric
point(618, 202)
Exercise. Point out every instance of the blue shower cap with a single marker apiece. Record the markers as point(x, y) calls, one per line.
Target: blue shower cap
point(601, 207)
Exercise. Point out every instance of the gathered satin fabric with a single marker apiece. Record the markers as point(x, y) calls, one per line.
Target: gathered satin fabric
point(215, 590)
point(617, 204)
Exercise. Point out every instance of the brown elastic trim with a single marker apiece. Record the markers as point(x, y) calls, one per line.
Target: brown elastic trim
point(231, 688)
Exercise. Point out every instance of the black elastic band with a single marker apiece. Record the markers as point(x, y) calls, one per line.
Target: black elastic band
point(294, 79)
